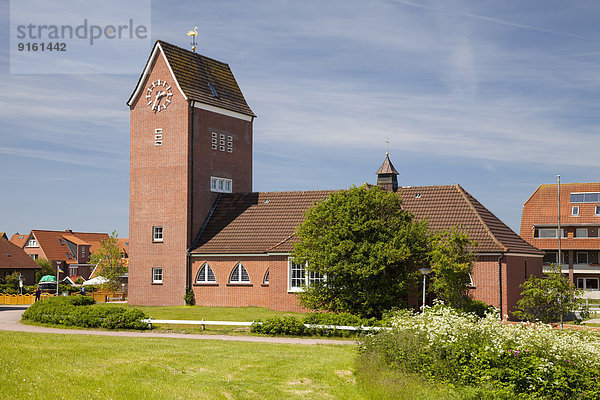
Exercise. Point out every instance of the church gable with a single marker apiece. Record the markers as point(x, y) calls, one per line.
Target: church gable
point(200, 79)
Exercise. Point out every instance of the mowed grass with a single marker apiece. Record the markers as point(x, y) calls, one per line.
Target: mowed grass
point(197, 313)
point(46, 366)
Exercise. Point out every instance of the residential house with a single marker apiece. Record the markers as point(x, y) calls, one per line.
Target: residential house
point(195, 222)
point(68, 250)
point(579, 226)
point(14, 259)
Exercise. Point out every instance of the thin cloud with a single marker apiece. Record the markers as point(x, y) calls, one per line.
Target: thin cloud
point(490, 19)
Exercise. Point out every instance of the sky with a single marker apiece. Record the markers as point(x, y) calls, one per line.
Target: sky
point(498, 97)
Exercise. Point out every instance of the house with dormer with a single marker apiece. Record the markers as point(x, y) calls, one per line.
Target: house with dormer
point(67, 250)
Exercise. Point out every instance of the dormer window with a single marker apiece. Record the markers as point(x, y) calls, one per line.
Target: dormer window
point(32, 243)
point(575, 211)
point(213, 90)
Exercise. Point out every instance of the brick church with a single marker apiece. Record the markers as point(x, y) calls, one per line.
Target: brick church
point(195, 222)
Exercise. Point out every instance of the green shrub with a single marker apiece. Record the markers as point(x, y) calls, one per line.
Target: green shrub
point(279, 326)
point(477, 307)
point(189, 298)
point(78, 311)
point(295, 326)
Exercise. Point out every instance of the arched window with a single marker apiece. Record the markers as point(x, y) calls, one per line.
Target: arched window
point(205, 274)
point(266, 278)
point(239, 274)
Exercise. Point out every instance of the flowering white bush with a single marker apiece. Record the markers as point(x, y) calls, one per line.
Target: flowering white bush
point(443, 326)
point(510, 360)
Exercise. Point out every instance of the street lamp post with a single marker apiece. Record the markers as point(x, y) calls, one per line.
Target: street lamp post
point(424, 271)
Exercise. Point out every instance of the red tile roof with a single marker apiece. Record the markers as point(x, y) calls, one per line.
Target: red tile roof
point(19, 239)
point(49, 242)
point(14, 257)
point(450, 206)
point(265, 222)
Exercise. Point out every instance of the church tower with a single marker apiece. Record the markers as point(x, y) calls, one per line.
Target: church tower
point(387, 176)
point(190, 139)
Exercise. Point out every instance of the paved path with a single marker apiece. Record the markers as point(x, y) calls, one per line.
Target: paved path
point(11, 315)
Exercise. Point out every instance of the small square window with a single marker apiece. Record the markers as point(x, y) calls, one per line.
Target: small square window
point(214, 140)
point(229, 150)
point(222, 143)
point(157, 275)
point(222, 136)
point(575, 211)
point(214, 135)
point(222, 148)
point(597, 211)
point(214, 146)
point(157, 233)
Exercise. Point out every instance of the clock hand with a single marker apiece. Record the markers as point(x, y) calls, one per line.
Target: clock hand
point(157, 98)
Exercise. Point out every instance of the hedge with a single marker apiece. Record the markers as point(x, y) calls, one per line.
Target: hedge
point(295, 326)
point(77, 311)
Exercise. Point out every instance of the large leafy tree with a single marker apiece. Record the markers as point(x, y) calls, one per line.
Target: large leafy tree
point(109, 261)
point(451, 265)
point(368, 248)
point(550, 298)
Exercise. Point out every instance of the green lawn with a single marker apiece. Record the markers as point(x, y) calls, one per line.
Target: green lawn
point(196, 313)
point(45, 366)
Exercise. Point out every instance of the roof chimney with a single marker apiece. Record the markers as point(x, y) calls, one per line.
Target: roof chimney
point(387, 176)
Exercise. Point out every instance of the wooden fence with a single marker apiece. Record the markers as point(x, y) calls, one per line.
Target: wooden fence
point(17, 299)
point(24, 299)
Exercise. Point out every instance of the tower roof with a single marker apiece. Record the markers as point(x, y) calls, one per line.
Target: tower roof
point(387, 167)
point(201, 79)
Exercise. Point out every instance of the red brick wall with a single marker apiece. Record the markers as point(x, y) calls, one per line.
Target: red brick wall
point(208, 162)
point(515, 270)
point(274, 296)
point(158, 195)
point(170, 185)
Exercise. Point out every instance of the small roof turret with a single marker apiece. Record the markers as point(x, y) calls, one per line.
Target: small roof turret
point(387, 176)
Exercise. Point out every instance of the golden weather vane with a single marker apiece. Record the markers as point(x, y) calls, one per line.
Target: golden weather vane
point(193, 35)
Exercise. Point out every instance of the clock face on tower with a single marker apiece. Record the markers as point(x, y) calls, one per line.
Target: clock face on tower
point(159, 95)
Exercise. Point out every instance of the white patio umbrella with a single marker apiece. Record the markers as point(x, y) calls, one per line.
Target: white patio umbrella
point(99, 280)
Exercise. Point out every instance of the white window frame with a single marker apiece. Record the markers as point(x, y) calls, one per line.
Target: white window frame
point(584, 281)
point(266, 277)
point(158, 137)
point(33, 256)
point(597, 211)
point(587, 260)
point(575, 211)
point(307, 278)
point(205, 278)
point(587, 233)
point(239, 279)
point(32, 242)
point(158, 234)
point(157, 275)
point(221, 185)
